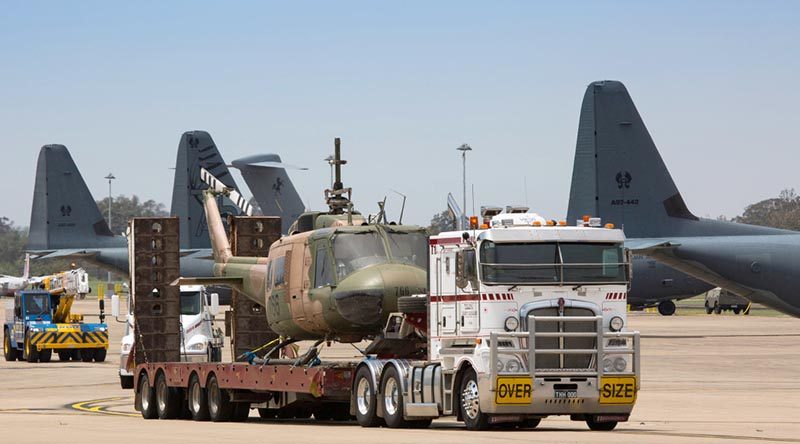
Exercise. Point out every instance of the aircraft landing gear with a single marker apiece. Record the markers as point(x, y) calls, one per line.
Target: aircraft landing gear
point(666, 308)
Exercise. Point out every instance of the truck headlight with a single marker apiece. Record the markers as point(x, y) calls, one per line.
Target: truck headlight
point(608, 365)
point(620, 364)
point(616, 323)
point(512, 323)
point(499, 366)
point(513, 366)
point(200, 346)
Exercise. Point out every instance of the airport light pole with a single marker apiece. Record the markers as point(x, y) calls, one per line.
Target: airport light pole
point(464, 148)
point(110, 177)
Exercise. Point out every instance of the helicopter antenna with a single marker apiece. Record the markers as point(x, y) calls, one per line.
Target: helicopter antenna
point(402, 208)
point(338, 199)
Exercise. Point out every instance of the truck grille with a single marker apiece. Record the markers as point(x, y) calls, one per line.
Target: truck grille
point(561, 362)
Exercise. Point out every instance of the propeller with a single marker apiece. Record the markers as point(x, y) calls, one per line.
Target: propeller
point(218, 187)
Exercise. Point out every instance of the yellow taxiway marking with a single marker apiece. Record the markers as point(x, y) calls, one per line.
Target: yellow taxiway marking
point(87, 406)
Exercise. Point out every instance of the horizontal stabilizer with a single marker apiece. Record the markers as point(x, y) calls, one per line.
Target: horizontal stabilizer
point(232, 282)
point(645, 244)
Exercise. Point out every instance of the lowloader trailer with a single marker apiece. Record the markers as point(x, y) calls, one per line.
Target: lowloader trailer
point(524, 319)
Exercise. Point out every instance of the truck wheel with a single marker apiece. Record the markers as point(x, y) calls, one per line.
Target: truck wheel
point(392, 397)
point(168, 399)
point(600, 426)
point(412, 304)
point(666, 308)
point(65, 355)
point(530, 423)
point(10, 353)
point(87, 354)
point(717, 309)
point(268, 413)
point(100, 354)
point(46, 355)
point(737, 310)
point(241, 411)
point(709, 310)
point(126, 381)
point(474, 419)
point(31, 354)
point(198, 399)
point(147, 398)
point(220, 407)
point(366, 399)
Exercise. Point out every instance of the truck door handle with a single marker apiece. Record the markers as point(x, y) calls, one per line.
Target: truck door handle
point(462, 320)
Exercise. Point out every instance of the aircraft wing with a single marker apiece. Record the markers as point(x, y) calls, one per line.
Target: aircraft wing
point(643, 245)
point(52, 254)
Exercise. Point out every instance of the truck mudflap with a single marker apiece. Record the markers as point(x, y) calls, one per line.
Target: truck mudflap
point(69, 339)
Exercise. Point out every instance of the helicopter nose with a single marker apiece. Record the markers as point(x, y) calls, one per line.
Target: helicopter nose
point(367, 296)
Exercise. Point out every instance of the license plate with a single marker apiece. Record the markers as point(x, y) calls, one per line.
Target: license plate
point(617, 390)
point(513, 390)
point(566, 394)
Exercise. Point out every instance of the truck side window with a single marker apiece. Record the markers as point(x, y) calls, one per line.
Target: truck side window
point(323, 269)
point(278, 267)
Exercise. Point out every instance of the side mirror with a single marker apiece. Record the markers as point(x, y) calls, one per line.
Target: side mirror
point(214, 304)
point(465, 269)
point(115, 305)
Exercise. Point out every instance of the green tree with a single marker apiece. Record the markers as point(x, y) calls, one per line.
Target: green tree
point(12, 245)
point(780, 212)
point(443, 221)
point(123, 208)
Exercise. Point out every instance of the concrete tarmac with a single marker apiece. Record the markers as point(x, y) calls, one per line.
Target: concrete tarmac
point(705, 379)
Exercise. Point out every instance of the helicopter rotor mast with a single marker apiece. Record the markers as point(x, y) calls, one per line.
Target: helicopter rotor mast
point(338, 199)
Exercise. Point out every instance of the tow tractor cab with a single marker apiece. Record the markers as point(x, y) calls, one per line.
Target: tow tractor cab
point(201, 341)
point(526, 319)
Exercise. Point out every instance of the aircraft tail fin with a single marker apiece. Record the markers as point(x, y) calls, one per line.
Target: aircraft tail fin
point(64, 213)
point(197, 150)
point(618, 172)
point(269, 182)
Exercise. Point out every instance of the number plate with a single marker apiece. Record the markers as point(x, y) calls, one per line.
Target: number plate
point(565, 394)
point(513, 390)
point(617, 390)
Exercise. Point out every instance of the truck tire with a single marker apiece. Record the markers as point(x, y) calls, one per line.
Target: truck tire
point(469, 403)
point(87, 354)
point(126, 381)
point(168, 399)
point(198, 399)
point(147, 398)
point(366, 399)
point(392, 398)
point(737, 310)
point(220, 407)
point(717, 309)
point(530, 423)
point(241, 411)
point(10, 353)
point(412, 304)
point(65, 355)
point(31, 354)
point(666, 308)
point(46, 355)
point(100, 354)
point(600, 426)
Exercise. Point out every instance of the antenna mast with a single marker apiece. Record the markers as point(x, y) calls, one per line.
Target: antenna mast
point(338, 199)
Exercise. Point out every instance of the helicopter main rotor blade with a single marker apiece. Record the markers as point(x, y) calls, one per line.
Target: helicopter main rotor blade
point(219, 187)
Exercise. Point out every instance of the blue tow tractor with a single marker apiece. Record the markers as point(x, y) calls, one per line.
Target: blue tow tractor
point(40, 322)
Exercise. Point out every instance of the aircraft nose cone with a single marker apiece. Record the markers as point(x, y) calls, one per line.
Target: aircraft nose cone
point(367, 296)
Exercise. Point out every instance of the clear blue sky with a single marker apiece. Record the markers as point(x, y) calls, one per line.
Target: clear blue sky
point(403, 84)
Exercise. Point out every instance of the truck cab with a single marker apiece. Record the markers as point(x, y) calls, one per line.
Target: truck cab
point(200, 340)
point(526, 318)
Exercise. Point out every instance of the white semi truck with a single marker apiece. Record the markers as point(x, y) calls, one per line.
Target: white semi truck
point(201, 341)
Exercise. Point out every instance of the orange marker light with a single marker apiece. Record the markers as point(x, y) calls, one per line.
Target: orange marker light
point(586, 219)
point(551, 223)
point(473, 222)
point(562, 223)
point(536, 223)
point(610, 226)
point(484, 226)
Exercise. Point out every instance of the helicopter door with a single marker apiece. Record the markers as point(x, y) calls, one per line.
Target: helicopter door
point(445, 292)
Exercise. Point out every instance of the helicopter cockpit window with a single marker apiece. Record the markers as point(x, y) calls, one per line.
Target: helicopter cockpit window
point(354, 251)
point(278, 270)
point(323, 269)
point(409, 248)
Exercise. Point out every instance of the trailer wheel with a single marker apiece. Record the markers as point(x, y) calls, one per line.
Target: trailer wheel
point(87, 354)
point(100, 354)
point(168, 399)
point(198, 399)
point(220, 407)
point(46, 355)
point(31, 354)
point(600, 426)
point(10, 353)
point(147, 398)
point(241, 411)
point(365, 399)
point(474, 419)
point(392, 397)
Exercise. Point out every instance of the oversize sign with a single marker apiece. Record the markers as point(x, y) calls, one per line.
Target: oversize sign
point(617, 390)
point(513, 390)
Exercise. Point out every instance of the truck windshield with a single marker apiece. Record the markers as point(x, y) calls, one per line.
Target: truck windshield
point(354, 251)
point(408, 248)
point(37, 304)
point(556, 263)
point(191, 302)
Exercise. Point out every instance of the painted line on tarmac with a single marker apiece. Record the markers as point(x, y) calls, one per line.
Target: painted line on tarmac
point(707, 436)
point(96, 406)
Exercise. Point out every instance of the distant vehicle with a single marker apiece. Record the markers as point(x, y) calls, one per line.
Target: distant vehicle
point(719, 300)
point(620, 176)
point(201, 341)
point(39, 322)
